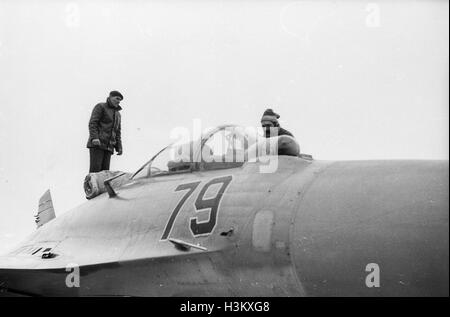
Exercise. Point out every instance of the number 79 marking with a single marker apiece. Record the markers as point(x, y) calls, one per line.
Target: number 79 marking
point(199, 228)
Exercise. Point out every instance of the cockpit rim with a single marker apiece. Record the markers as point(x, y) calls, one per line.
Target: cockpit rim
point(196, 165)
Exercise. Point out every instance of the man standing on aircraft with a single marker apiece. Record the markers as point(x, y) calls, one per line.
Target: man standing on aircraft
point(269, 122)
point(104, 132)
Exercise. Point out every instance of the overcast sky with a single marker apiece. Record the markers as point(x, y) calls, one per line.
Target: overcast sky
point(351, 80)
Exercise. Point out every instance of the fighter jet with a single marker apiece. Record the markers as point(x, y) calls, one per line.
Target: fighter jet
point(245, 222)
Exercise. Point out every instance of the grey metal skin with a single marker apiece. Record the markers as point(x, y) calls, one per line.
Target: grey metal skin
point(309, 229)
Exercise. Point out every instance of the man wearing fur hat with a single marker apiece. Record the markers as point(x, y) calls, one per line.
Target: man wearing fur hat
point(104, 132)
point(269, 122)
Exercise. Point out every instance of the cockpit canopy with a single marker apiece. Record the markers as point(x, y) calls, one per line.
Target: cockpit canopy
point(226, 146)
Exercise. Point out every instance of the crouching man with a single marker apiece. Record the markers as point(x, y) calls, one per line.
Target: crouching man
point(271, 126)
point(286, 143)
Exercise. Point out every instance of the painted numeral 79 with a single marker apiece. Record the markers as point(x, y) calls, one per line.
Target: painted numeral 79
point(205, 227)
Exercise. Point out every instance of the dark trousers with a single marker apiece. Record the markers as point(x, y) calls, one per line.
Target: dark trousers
point(99, 160)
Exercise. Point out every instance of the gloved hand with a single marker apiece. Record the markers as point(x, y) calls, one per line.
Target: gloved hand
point(119, 152)
point(96, 142)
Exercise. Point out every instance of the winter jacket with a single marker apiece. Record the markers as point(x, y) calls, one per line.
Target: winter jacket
point(105, 126)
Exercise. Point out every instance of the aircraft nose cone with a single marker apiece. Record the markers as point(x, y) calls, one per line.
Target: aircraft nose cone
point(375, 229)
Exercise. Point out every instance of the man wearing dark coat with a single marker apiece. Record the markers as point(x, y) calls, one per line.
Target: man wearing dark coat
point(104, 132)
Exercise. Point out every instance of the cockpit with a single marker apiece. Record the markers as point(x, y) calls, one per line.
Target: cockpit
point(226, 146)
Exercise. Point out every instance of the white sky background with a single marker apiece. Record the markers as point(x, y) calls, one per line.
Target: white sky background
point(351, 80)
